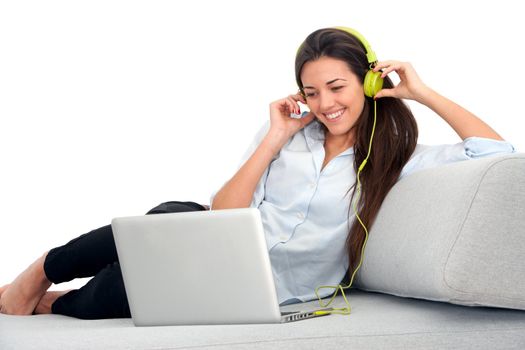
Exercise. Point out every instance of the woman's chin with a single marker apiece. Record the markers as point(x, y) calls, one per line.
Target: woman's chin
point(339, 129)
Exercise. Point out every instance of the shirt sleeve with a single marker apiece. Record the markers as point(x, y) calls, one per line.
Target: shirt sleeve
point(258, 194)
point(425, 156)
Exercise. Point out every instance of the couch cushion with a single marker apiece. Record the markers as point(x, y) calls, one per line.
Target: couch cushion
point(454, 233)
point(377, 321)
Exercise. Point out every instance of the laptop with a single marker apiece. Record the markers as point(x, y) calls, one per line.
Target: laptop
point(199, 267)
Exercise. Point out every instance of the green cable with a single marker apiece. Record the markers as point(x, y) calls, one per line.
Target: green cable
point(347, 310)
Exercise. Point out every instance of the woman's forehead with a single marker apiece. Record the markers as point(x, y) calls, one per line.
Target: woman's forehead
point(325, 70)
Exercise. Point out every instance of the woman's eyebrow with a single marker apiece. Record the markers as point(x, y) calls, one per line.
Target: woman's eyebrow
point(327, 83)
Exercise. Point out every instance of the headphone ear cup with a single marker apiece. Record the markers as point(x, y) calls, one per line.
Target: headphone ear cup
point(373, 83)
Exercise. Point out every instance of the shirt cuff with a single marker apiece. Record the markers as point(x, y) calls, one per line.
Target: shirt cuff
point(477, 147)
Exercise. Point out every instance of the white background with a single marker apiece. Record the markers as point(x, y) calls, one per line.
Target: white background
point(109, 108)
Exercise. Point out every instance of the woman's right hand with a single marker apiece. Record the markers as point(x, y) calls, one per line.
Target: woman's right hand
point(280, 121)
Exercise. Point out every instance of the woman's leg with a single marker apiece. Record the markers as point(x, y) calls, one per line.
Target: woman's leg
point(104, 296)
point(83, 256)
point(45, 303)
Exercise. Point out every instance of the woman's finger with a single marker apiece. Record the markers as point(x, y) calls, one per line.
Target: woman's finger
point(384, 67)
point(390, 69)
point(296, 108)
point(398, 67)
point(383, 64)
point(299, 96)
point(288, 104)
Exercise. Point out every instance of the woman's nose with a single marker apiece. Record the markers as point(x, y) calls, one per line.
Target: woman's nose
point(326, 101)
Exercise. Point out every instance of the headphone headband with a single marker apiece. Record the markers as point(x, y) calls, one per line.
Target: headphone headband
point(370, 54)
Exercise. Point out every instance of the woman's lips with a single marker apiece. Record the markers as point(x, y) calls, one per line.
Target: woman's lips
point(334, 120)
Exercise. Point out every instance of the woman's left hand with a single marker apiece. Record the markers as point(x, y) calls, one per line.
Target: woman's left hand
point(410, 87)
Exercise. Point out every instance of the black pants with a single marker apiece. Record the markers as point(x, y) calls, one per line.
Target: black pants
point(94, 254)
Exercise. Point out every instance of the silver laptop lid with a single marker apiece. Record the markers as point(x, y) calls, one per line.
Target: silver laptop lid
point(202, 267)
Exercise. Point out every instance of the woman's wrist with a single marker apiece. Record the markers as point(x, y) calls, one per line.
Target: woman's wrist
point(275, 139)
point(425, 96)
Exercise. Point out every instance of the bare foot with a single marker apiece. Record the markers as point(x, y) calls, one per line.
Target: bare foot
point(44, 305)
point(23, 294)
point(2, 289)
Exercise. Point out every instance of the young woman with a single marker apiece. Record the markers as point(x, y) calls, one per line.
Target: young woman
point(299, 172)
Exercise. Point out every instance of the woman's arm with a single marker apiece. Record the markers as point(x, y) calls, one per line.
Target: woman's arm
point(238, 191)
point(462, 121)
point(411, 87)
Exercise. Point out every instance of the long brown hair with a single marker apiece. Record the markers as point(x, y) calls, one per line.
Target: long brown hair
point(395, 136)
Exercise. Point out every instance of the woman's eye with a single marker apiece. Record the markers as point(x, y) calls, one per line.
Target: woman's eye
point(334, 89)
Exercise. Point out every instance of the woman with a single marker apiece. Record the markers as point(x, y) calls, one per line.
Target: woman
point(298, 172)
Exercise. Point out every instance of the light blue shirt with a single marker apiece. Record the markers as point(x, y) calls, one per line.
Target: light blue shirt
point(305, 209)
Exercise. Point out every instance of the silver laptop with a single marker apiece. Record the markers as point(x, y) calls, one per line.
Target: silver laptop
point(200, 267)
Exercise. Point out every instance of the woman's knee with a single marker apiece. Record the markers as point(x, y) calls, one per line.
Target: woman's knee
point(175, 207)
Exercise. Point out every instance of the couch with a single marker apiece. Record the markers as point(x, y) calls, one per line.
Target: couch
point(444, 268)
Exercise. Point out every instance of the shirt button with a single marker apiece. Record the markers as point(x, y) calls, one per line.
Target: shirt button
point(312, 185)
point(300, 215)
point(282, 238)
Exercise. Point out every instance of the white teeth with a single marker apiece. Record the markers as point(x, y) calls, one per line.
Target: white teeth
point(335, 115)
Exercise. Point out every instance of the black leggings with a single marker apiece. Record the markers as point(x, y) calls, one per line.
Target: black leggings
point(94, 254)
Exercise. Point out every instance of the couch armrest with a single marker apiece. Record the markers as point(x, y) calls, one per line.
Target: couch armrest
point(453, 233)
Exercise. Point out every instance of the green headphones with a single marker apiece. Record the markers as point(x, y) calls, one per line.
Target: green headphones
point(373, 81)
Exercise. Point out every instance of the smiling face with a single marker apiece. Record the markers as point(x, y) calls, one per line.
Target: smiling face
point(335, 95)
